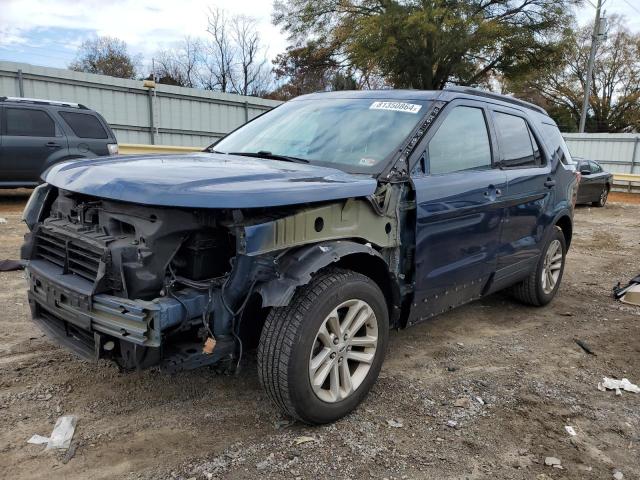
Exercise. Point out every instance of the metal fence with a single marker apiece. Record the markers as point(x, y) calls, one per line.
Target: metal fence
point(166, 115)
point(617, 152)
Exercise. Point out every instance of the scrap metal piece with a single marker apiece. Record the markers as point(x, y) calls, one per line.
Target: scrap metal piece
point(632, 295)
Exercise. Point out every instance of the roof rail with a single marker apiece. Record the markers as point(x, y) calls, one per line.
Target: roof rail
point(38, 101)
point(496, 96)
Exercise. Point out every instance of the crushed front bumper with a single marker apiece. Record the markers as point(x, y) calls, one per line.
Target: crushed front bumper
point(66, 310)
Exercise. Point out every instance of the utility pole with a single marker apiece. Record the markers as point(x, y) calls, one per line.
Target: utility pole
point(592, 57)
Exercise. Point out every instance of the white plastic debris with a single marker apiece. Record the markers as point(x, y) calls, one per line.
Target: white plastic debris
point(3, 221)
point(38, 439)
point(304, 439)
point(553, 462)
point(62, 432)
point(570, 430)
point(618, 385)
point(395, 423)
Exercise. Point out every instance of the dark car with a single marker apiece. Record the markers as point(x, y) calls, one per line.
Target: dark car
point(595, 182)
point(35, 134)
point(307, 233)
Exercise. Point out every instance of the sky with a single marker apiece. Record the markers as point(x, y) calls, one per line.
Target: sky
point(48, 32)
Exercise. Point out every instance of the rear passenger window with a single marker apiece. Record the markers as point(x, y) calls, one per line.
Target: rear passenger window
point(84, 125)
point(461, 142)
point(516, 141)
point(25, 122)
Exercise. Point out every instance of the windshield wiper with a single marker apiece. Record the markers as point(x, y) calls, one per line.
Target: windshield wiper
point(270, 156)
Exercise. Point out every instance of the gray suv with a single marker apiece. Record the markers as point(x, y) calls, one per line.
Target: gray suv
point(35, 134)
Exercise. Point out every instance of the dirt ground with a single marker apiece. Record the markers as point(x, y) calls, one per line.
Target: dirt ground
point(524, 376)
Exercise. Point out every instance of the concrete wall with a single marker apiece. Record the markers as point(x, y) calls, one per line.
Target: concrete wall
point(181, 116)
point(617, 152)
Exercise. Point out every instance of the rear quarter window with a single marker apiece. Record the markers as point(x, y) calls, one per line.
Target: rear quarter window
point(84, 125)
point(555, 142)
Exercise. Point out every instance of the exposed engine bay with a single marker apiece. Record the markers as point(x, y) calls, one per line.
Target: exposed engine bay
point(146, 285)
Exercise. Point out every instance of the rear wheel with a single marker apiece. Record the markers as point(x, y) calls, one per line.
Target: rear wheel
point(603, 198)
point(319, 356)
point(543, 282)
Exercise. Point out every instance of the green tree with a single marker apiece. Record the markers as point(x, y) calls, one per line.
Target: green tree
point(427, 44)
point(105, 56)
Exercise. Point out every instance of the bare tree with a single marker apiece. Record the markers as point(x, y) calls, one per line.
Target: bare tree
point(179, 66)
point(615, 86)
point(248, 77)
point(218, 62)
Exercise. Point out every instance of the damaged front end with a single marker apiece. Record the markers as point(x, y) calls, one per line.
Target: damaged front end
point(146, 285)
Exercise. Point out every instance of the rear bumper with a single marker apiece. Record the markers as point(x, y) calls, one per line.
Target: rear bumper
point(64, 307)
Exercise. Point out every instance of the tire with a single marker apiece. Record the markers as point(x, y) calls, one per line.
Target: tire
point(292, 335)
point(534, 290)
point(602, 201)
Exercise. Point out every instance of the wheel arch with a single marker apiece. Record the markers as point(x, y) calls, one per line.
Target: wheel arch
point(565, 223)
point(299, 266)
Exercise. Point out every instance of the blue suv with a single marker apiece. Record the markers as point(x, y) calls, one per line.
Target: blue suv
point(307, 233)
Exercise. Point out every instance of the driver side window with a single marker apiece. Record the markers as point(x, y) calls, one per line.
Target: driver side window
point(447, 152)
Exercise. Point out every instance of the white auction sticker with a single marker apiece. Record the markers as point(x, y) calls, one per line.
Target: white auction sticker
point(396, 106)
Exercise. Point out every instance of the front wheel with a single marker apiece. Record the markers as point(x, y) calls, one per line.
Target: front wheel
point(543, 282)
point(319, 356)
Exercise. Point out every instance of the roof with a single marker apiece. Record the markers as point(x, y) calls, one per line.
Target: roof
point(38, 101)
point(448, 94)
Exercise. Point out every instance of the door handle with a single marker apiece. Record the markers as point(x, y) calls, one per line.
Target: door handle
point(550, 183)
point(53, 145)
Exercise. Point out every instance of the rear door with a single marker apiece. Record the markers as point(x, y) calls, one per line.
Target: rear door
point(87, 135)
point(459, 213)
point(529, 193)
point(599, 179)
point(30, 140)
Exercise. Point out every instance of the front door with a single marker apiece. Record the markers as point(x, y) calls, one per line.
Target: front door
point(459, 210)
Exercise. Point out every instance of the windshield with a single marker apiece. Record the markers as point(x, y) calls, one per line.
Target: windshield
point(354, 135)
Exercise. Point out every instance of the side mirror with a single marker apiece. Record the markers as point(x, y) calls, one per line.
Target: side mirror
point(584, 171)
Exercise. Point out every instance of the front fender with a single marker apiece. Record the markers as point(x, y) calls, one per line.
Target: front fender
point(296, 268)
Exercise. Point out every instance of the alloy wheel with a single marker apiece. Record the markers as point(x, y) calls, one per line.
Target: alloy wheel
point(343, 351)
point(552, 266)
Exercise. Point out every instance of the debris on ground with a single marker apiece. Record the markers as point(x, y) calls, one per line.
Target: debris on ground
point(618, 385)
point(452, 424)
point(553, 462)
point(632, 288)
point(585, 346)
point(570, 430)
point(70, 453)
point(280, 424)
point(618, 475)
point(3, 221)
point(395, 423)
point(11, 265)
point(304, 439)
point(62, 432)
point(632, 296)
point(463, 402)
point(38, 440)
